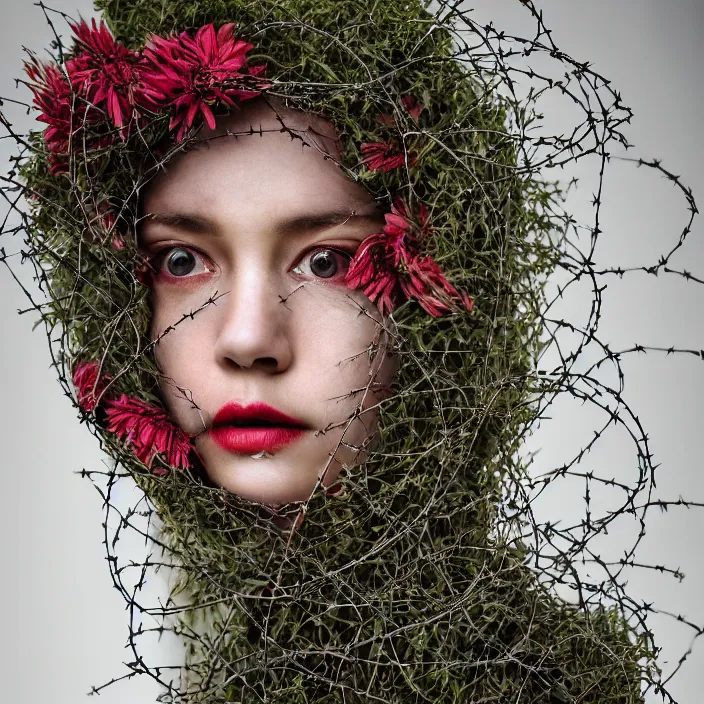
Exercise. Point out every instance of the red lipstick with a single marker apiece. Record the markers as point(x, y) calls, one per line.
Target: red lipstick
point(248, 430)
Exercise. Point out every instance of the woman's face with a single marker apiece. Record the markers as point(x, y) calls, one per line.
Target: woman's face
point(267, 358)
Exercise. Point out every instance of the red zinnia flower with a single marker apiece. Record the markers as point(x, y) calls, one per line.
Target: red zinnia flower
point(372, 270)
point(117, 243)
point(400, 209)
point(376, 265)
point(105, 217)
point(52, 95)
point(189, 74)
point(149, 431)
point(54, 98)
point(65, 111)
point(427, 284)
point(89, 384)
point(413, 108)
point(108, 222)
point(384, 157)
point(389, 266)
point(105, 72)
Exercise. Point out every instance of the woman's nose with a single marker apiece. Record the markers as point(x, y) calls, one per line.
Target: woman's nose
point(253, 326)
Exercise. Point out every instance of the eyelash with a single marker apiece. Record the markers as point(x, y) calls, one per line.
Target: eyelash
point(158, 260)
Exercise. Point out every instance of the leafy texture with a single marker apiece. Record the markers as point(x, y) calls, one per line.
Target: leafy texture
point(409, 582)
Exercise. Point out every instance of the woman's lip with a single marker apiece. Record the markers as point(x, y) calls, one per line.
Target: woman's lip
point(233, 413)
point(251, 439)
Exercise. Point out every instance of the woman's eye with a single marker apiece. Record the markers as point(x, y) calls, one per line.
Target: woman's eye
point(324, 264)
point(179, 262)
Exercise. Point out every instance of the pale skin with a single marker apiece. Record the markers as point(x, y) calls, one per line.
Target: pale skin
point(236, 229)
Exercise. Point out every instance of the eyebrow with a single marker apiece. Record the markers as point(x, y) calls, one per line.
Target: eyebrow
point(180, 221)
point(292, 226)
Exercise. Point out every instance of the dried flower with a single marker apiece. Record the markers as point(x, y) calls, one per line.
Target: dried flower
point(190, 74)
point(385, 157)
point(105, 72)
point(389, 267)
point(89, 384)
point(149, 431)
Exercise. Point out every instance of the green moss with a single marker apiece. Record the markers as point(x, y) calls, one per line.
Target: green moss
point(398, 589)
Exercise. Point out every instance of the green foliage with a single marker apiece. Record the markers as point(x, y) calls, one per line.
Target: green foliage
point(399, 588)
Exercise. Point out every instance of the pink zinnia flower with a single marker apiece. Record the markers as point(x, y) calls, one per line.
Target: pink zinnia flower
point(149, 431)
point(105, 72)
point(384, 157)
point(190, 74)
point(89, 384)
point(389, 267)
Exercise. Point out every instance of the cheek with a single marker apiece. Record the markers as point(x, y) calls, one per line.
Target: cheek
point(352, 375)
point(346, 350)
point(185, 372)
point(167, 307)
point(181, 325)
point(179, 385)
point(339, 360)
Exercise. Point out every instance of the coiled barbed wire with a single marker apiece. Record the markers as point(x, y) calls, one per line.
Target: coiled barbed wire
point(555, 552)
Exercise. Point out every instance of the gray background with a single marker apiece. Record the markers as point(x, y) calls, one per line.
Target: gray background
point(65, 628)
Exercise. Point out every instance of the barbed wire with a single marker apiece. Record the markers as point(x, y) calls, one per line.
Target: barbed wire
point(429, 576)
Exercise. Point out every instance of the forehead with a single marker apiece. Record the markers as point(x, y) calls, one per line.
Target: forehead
point(261, 157)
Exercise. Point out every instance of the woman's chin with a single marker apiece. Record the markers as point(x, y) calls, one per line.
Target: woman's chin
point(272, 479)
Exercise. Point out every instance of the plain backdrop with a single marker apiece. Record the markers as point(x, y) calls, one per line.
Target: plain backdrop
point(66, 628)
